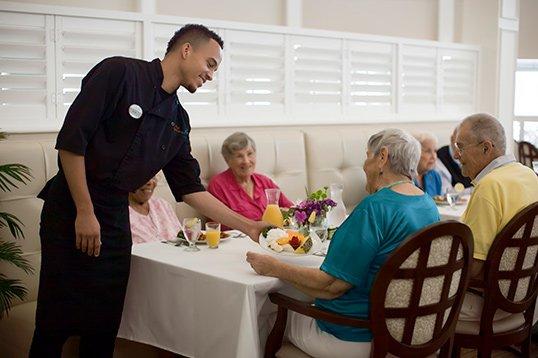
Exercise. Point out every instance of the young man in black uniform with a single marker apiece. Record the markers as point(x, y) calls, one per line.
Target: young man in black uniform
point(125, 125)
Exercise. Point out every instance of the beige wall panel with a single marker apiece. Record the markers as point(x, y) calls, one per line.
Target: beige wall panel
point(267, 12)
point(120, 5)
point(528, 29)
point(402, 18)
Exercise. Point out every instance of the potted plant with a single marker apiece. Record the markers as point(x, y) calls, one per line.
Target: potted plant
point(10, 176)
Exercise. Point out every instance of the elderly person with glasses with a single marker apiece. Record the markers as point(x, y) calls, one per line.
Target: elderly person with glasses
point(240, 187)
point(427, 178)
point(502, 187)
point(395, 209)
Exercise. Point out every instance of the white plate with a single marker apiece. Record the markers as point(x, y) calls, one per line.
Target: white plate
point(316, 246)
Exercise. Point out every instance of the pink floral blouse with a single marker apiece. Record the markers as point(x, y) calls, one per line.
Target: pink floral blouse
point(160, 224)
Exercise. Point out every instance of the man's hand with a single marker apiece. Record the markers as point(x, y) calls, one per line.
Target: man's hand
point(88, 233)
point(263, 264)
point(255, 230)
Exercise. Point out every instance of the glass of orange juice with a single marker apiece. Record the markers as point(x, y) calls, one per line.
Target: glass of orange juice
point(212, 234)
point(272, 213)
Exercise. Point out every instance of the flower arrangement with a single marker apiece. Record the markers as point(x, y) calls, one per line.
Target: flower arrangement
point(311, 211)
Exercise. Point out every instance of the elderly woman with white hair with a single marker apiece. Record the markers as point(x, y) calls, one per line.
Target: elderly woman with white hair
point(395, 209)
point(240, 188)
point(427, 178)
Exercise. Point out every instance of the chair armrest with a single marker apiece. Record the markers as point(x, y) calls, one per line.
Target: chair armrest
point(310, 310)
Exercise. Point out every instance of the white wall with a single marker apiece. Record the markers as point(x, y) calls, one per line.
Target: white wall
point(267, 12)
point(402, 18)
point(120, 5)
point(528, 29)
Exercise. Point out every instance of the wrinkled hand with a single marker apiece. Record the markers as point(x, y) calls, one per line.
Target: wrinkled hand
point(263, 264)
point(256, 229)
point(88, 234)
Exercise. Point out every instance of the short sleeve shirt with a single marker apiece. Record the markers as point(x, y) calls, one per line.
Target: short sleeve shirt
point(362, 244)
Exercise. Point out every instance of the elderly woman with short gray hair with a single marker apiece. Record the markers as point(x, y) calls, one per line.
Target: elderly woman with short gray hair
point(427, 178)
point(240, 187)
point(395, 209)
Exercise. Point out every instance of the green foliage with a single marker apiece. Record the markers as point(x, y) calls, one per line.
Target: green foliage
point(319, 194)
point(10, 289)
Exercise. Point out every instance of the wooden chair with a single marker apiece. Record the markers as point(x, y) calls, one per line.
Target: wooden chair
point(415, 299)
point(510, 284)
point(527, 153)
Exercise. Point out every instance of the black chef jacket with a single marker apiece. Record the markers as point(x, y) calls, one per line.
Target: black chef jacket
point(120, 149)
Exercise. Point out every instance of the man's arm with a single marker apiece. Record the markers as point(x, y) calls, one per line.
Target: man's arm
point(477, 272)
point(209, 206)
point(311, 281)
point(87, 228)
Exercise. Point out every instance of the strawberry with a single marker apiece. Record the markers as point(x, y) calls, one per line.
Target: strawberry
point(295, 242)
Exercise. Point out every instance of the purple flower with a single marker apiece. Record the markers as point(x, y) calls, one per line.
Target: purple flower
point(300, 216)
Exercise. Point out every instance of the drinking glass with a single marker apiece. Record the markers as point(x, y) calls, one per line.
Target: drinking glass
point(452, 198)
point(212, 234)
point(192, 228)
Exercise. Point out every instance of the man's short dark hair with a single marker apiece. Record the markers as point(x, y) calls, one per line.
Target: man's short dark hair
point(193, 34)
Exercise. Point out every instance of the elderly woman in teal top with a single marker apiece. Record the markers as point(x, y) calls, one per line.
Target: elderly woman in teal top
point(427, 178)
point(394, 209)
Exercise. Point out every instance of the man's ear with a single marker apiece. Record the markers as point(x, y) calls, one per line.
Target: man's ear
point(488, 147)
point(185, 50)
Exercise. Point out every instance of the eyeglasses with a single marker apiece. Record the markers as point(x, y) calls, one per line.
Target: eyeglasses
point(461, 148)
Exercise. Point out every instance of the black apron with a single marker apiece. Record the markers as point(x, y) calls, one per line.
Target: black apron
point(80, 293)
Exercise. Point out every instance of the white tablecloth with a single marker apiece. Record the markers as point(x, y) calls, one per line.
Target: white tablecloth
point(202, 304)
point(448, 213)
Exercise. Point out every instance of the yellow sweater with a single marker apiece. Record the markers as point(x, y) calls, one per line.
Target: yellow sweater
point(496, 199)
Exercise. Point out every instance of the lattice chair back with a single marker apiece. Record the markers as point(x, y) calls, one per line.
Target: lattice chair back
point(418, 293)
point(511, 269)
point(527, 153)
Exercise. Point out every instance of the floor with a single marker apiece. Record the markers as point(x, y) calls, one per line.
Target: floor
point(468, 353)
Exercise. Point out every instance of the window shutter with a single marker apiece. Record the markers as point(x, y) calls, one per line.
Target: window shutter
point(256, 75)
point(82, 43)
point(418, 81)
point(371, 77)
point(458, 78)
point(26, 72)
point(317, 77)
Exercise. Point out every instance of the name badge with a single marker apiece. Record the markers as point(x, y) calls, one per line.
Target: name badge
point(135, 111)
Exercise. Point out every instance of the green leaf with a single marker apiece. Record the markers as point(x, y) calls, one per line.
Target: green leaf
point(12, 173)
point(10, 290)
point(12, 253)
point(11, 221)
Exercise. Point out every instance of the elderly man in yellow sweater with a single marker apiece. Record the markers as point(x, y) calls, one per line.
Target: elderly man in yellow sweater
point(502, 187)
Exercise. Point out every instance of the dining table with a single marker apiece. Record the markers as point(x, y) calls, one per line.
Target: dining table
point(446, 212)
point(209, 303)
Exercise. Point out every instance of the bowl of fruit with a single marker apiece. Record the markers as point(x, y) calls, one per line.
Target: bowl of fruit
point(289, 242)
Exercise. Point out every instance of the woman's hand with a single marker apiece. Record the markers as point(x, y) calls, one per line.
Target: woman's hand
point(264, 264)
point(88, 233)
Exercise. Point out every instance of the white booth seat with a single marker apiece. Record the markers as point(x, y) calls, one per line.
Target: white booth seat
point(297, 159)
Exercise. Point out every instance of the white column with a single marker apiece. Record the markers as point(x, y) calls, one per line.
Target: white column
point(294, 13)
point(147, 8)
point(506, 64)
point(445, 21)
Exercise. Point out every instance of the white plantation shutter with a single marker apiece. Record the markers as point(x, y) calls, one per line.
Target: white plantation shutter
point(317, 76)
point(203, 104)
point(26, 71)
point(458, 78)
point(256, 75)
point(371, 77)
point(418, 79)
point(83, 42)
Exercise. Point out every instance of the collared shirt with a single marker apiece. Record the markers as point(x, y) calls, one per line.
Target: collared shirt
point(494, 164)
point(123, 148)
point(225, 188)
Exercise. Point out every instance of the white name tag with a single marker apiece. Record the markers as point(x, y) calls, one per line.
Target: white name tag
point(135, 111)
